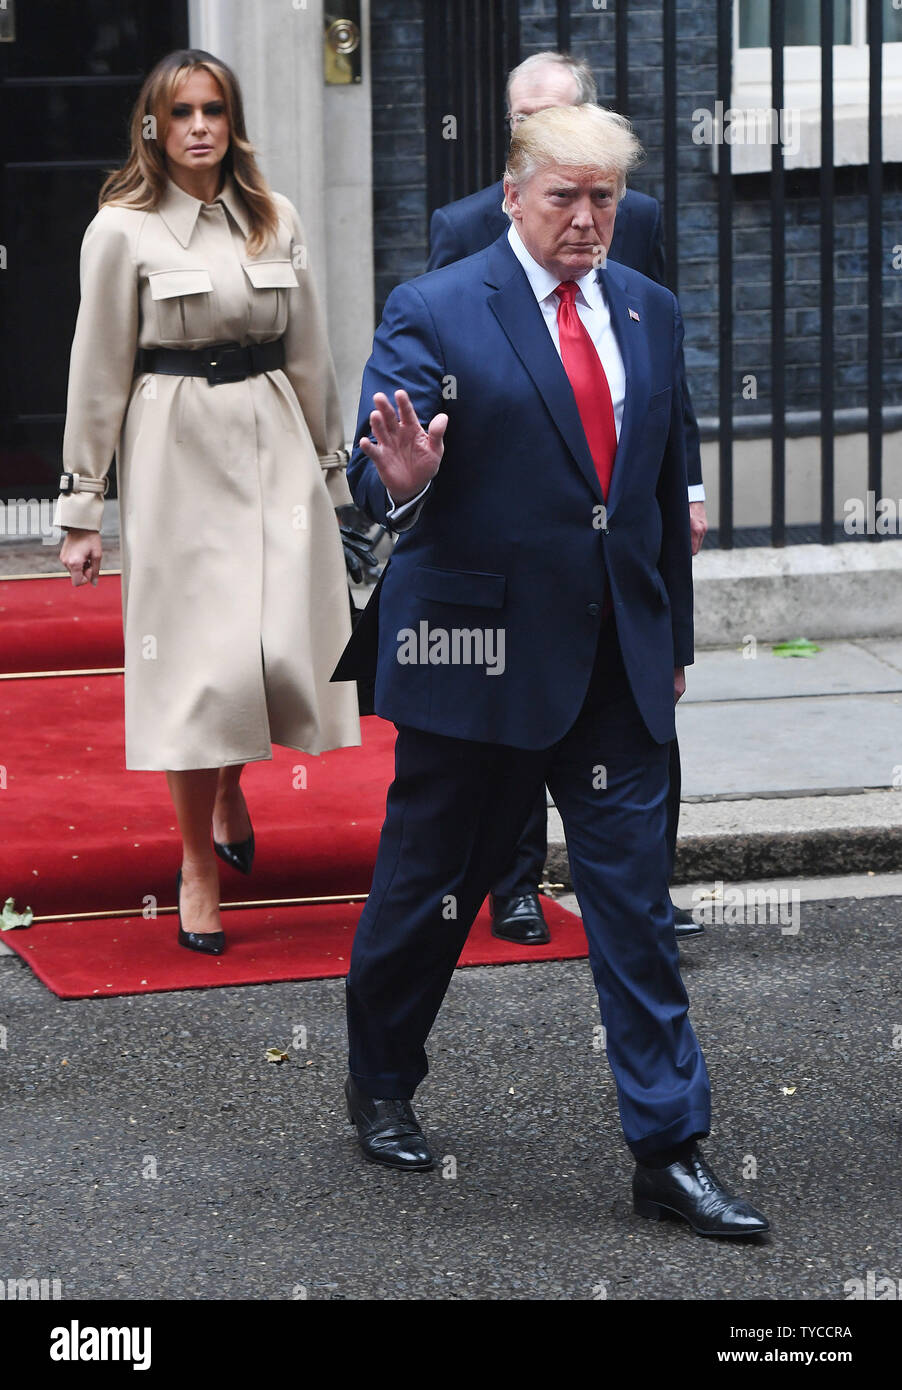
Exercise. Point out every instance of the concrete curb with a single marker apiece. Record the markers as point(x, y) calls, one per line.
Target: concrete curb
point(779, 837)
point(733, 857)
point(803, 855)
point(816, 591)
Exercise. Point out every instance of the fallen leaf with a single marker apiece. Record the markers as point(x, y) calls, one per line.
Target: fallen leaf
point(800, 646)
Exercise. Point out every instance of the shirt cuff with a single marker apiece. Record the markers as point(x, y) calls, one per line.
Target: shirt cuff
point(696, 492)
point(407, 511)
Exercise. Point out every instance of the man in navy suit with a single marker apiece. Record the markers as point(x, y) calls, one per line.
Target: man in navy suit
point(521, 425)
point(469, 225)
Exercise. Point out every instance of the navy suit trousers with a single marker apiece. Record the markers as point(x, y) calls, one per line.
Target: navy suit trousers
point(454, 813)
point(524, 873)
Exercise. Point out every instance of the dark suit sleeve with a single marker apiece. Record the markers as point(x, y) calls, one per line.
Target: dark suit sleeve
point(675, 561)
point(406, 354)
point(444, 244)
point(655, 269)
point(690, 425)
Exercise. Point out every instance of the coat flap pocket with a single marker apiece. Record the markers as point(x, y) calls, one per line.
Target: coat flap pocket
point(166, 284)
point(659, 399)
point(271, 275)
point(461, 586)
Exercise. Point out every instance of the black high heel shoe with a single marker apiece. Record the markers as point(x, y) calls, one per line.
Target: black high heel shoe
point(240, 853)
point(211, 943)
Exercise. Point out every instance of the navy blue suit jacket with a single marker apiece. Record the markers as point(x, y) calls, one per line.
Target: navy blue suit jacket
point(462, 228)
point(509, 536)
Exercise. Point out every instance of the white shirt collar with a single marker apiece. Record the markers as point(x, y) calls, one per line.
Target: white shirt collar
point(542, 281)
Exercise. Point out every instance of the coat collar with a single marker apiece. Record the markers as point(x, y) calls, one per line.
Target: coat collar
point(514, 305)
point(180, 211)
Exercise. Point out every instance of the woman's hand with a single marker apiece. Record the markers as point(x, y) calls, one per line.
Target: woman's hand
point(406, 456)
point(81, 553)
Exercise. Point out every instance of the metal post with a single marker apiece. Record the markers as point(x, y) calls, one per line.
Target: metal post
point(828, 240)
point(875, 249)
point(778, 283)
point(670, 144)
point(621, 57)
point(725, 274)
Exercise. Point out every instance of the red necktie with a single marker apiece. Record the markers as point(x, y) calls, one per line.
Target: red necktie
point(590, 385)
point(593, 395)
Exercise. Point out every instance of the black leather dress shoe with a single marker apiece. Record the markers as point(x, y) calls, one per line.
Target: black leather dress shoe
point(684, 924)
point(690, 1190)
point(240, 854)
point(387, 1131)
point(519, 919)
point(211, 943)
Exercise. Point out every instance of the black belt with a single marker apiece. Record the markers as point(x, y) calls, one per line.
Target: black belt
point(220, 363)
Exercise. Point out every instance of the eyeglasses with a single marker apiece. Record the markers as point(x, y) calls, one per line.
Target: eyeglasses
point(515, 120)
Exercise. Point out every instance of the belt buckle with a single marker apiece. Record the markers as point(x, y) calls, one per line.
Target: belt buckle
point(227, 362)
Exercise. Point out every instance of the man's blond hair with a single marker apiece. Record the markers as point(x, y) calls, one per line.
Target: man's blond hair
point(580, 137)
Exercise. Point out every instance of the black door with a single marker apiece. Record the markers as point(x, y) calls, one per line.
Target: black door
point(69, 75)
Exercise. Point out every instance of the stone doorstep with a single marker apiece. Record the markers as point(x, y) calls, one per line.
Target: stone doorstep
point(772, 837)
point(814, 591)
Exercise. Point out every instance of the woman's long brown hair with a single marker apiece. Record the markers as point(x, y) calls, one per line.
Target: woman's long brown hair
point(142, 179)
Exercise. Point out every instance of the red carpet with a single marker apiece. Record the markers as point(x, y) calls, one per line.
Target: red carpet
point(81, 835)
point(47, 625)
point(78, 960)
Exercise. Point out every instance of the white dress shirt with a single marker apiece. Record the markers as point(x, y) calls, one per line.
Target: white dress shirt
point(592, 308)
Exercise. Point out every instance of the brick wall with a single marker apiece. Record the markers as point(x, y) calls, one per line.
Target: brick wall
point(400, 203)
point(400, 230)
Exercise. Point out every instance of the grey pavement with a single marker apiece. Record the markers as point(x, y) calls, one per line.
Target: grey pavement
point(149, 1151)
point(791, 725)
point(790, 765)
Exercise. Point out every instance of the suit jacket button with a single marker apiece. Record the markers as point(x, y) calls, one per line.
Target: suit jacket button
point(593, 610)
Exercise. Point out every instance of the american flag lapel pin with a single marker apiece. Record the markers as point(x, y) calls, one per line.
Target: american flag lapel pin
point(634, 315)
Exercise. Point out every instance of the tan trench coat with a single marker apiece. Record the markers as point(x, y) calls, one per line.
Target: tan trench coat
point(234, 593)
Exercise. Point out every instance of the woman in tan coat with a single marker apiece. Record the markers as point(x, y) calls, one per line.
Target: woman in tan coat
point(200, 358)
